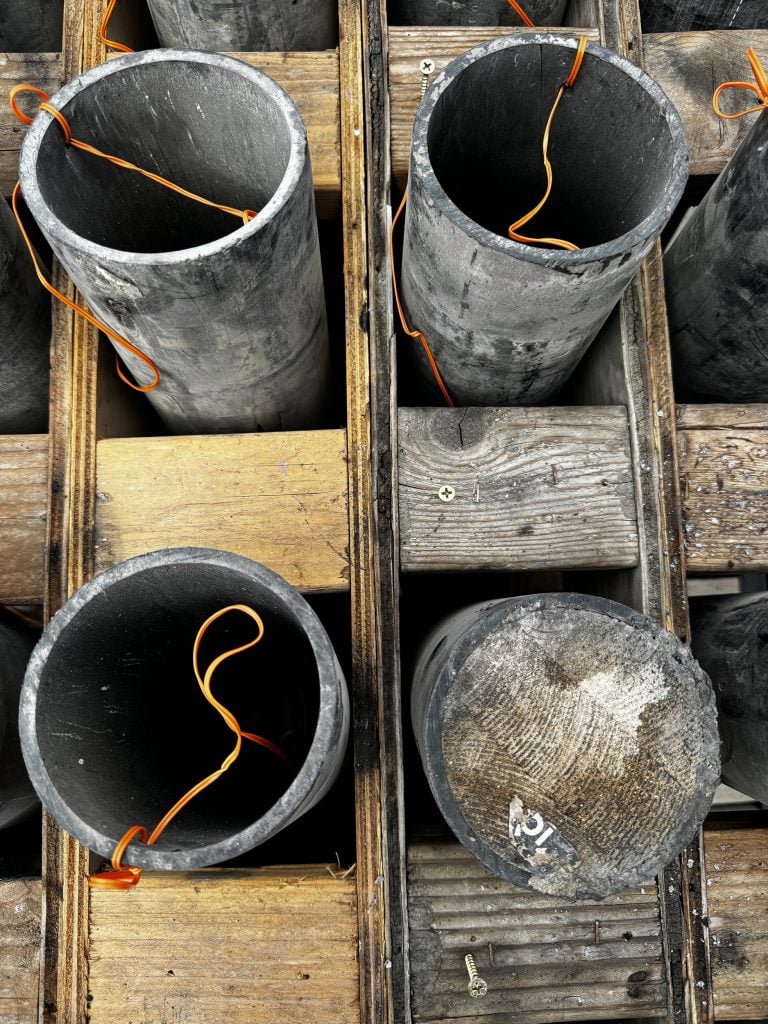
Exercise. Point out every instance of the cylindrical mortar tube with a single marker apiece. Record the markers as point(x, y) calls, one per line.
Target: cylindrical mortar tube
point(17, 797)
point(474, 12)
point(234, 25)
point(570, 743)
point(25, 336)
point(729, 639)
point(693, 15)
point(716, 274)
point(233, 315)
point(508, 322)
point(31, 26)
point(115, 663)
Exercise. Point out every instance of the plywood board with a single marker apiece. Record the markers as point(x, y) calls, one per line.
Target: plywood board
point(23, 517)
point(280, 499)
point(20, 907)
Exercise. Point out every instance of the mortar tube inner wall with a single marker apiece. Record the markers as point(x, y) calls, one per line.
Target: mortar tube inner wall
point(123, 729)
point(214, 132)
point(611, 148)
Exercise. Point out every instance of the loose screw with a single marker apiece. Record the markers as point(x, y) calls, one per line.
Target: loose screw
point(477, 988)
point(426, 68)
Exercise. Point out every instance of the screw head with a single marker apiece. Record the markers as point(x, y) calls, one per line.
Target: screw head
point(477, 988)
point(427, 66)
point(446, 493)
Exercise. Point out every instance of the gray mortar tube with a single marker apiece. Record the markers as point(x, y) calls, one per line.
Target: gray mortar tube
point(25, 335)
point(17, 797)
point(570, 743)
point(246, 24)
point(716, 273)
point(692, 15)
point(508, 322)
point(31, 26)
point(474, 12)
point(115, 663)
point(729, 639)
point(234, 316)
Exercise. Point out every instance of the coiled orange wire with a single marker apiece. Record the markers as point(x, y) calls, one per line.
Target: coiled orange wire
point(124, 877)
point(759, 88)
point(513, 228)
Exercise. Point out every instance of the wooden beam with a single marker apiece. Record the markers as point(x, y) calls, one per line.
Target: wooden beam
point(408, 46)
point(689, 66)
point(20, 907)
point(737, 893)
point(724, 474)
point(44, 71)
point(247, 947)
point(23, 517)
point(534, 489)
point(543, 960)
point(278, 498)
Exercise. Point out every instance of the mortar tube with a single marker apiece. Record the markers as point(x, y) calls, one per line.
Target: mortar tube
point(233, 315)
point(508, 322)
point(696, 15)
point(17, 796)
point(474, 12)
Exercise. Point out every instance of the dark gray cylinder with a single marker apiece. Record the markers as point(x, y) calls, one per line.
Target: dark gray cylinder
point(716, 273)
point(17, 797)
point(474, 12)
point(730, 639)
point(690, 15)
point(31, 26)
point(25, 336)
point(246, 24)
point(234, 316)
point(508, 322)
point(115, 666)
point(570, 743)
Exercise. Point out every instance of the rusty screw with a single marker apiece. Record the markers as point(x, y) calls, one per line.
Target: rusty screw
point(477, 988)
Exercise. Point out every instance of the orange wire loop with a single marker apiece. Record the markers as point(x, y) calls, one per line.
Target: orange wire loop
point(124, 877)
point(513, 228)
point(411, 333)
point(104, 27)
point(516, 7)
point(759, 88)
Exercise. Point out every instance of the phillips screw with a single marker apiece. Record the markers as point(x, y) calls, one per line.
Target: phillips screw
point(477, 988)
point(426, 68)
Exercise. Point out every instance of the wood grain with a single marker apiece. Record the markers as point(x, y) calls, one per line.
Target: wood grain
point(724, 474)
point(205, 947)
point(544, 960)
point(44, 71)
point(20, 907)
point(535, 489)
point(23, 517)
point(737, 891)
point(408, 46)
point(278, 498)
point(689, 66)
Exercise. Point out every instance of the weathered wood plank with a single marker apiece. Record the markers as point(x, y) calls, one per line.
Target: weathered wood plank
point(543, 959)
point(689, 66)
point(20, 907)
point(253, 946)
point(44, 71)
point(408, 46)
point(23, 517)
point(737, 892)
point(534, 489)
point(724, 474)
point(278, 498)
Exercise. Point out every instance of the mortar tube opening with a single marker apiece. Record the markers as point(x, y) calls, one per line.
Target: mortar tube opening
point(211, 125)
point(123, 730)
point(611, 148)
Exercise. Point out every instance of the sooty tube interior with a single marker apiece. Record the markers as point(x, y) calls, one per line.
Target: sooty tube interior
point(610, 145)
point(200, 126)
point(124, 730)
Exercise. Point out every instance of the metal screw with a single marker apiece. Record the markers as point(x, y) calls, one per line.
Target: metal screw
point(446, 493)
point(477, 988)
point(426, 68)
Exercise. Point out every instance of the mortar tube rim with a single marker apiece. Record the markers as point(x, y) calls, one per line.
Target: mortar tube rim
point(55, 228)
point(330, 682)
point(642, 235)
